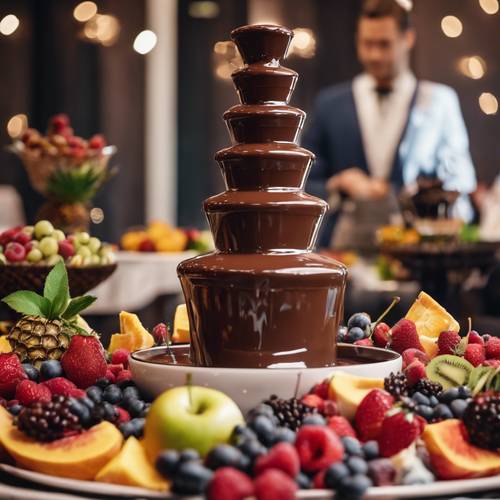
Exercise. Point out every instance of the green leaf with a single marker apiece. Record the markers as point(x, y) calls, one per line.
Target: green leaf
point(27, 303)
point(77, 305)
point(56, 290)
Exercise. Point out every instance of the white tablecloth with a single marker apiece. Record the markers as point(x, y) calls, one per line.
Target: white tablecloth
point(139, 279)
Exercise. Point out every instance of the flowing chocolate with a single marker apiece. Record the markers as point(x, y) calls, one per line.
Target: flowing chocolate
point(263, 299)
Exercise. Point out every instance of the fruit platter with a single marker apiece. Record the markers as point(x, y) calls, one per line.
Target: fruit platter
point(28, 253)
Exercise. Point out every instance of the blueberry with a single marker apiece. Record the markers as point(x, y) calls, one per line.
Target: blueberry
point(189, 455)
point(284, 434)
point(94, 393)
point(464, 392)
point(89, 403)
point(458, 407)
point(31, 372)
point(135, 407)
point(131, 392)
point(335, 473)
point(191, 478)
point(224, 455)
point(442, 412)
point(313, 419)
point(341, 333)
point(167, 462)
point(145, 410)
point(51, 369)
point(433, 400)
point(421, 399)
point(352, 446)
point(78, 408)
point(112, 394)
point(357, 465)
point(102, 382)
point(264, 428)
point(108, 411)
point(449, 395)
point(138, 426)
point(15, 409)
point(242, 433)
point(261, 409)
point(127, 429)
point(425, 412)
point(360, 320)
point(251, 448)
point(371, 450)
point(354, 486)
point(303, 481)
point(354, 334)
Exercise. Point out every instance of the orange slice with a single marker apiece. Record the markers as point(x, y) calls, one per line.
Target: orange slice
point(133, 335)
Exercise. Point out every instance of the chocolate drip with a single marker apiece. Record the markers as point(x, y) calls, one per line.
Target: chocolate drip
point(263, 298)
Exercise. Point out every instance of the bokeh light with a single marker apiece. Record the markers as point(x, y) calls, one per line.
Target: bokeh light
point(145, 42)
point(97, 215)
point(9, 24)
point(451, 26)
point(16, 125)
point(85, 11)
point(303, 43)
point(489, 6)
point(473, 67)
point(204, 9)
point(488, 103)
point(103, 29)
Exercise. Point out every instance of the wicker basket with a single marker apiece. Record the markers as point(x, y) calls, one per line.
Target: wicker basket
point(81, 279)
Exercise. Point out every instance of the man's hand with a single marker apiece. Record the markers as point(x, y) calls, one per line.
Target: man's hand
point(357, 185)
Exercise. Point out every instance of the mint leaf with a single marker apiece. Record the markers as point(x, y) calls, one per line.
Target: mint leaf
point(27, 303)
point(77, 305)
point(56, 290)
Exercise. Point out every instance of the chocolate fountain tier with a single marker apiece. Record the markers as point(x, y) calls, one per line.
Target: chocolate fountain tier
point(261, 311)
point(252, 123)
point(263, 221)
point(261, 166)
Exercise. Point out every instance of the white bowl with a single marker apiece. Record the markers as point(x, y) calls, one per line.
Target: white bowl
point(250, 386)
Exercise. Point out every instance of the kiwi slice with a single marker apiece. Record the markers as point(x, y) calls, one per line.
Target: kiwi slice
point(449, 370)
point(476, 374)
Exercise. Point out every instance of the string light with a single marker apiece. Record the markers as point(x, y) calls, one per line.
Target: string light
point(16, 125)
point(473, 66)
point(488, 103)
point(204, 9)
point(85, 11)
point(489, 6)
point(451, 26)
point(303, 43)
point(9, 24)
point(145, 42)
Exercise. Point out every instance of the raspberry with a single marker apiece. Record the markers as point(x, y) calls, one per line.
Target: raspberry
point(282, 456)
point(120, 357)
point(411, 355)
point(229, 483)
point(77, 393)
point(60, 385)
point(382, 472)
point(274, 484)
point(365, 342)
point(160, 333)
point(474, 354)
point(11, 373)
point(321, 389)
point(123, 375)
point(115, 369)
point(123, 415)
point(341, 426)
point(313, 401)
point(493, 348)
point(475, 338)
point(318, 447)
point(28, 392)
point(319, 480)
point(448, 342)
point(110, 376)
point(414, 372)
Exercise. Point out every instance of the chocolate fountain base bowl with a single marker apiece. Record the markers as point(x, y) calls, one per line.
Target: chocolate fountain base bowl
point(155, 370)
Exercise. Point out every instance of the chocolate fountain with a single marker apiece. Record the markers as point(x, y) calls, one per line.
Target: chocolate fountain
point(263, 308)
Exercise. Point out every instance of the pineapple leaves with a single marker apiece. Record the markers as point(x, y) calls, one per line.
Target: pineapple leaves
point(77, 305)
point(56, 290)
point(28, 303)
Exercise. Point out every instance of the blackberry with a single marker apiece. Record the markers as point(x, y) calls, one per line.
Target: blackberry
point(427, 387)
point(396, 384)
point(481, 419)
point(50, 420)
point(289, 412)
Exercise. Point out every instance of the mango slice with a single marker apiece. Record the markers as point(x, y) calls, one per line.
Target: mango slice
point(181, 325)
point(133, 336)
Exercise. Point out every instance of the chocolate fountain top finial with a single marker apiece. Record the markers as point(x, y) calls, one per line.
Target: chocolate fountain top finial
point(262, 42)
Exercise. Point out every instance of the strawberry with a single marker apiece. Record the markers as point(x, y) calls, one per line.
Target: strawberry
point(84, 362)
point(28, 392)
point(399, 430)
point(229, 483)
point(330, 408)
point(282, 456)
point(411, 355)
point(120, 357)
point(11, 373)
point(414, 372)
point(341, 426)
point(60, 386)
point(318, 447)
point(495, 363)
point(380, 334)
point(493, 348)
point(77, 393)
point(115, 369)
point(274, 484)
point(371, 413)
point(447, 342)
point(475, 338)
point(319, 480)
point(313, 401)
point(404, 336)
point(110, 376)
point(474, 354)
point(366, 342)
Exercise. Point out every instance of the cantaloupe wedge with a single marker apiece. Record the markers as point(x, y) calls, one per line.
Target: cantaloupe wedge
point(349, 390)
point(133, 336)
point(430, 318)
point(132, 468)
point(181, 325)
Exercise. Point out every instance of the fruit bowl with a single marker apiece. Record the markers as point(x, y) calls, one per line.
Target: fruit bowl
point(153, 374)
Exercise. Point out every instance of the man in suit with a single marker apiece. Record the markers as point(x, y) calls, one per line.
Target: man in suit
point(375, 135)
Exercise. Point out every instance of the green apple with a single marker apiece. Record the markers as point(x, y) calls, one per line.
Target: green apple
point(48, 246)
point(190, 417)
point(94, 244)
point(34, 255)
point(58, 235)
point(43, 228)
point(84, 252)
point(83, 238)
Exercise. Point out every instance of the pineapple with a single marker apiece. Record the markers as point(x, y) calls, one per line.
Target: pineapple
point(49, 321)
